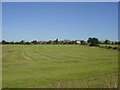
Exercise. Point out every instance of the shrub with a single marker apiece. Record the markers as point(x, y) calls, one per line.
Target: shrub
point(115, 48)
point(102, 47)
point(106, 46)
point(83, 42)
point(109, 47)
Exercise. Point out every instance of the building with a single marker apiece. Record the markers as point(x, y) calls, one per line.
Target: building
point(64, 40)
point(101, 41)
point(42, 42)
point(78, 41)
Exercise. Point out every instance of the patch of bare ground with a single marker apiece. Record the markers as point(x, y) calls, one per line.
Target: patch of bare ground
point(25, 57)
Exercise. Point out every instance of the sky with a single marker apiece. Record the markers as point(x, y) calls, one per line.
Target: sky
point(63, 20)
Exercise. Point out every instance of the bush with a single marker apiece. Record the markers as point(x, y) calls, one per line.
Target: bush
point(93, 44)
point(106, 46)
point(109, 47)
point(83, 42)
point(115, 48)
point(102, 46)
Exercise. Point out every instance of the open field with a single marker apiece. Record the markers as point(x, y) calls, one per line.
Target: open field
point(55, 66)
point(109, 45)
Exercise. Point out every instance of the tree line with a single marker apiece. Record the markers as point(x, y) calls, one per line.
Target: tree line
point(90, 42)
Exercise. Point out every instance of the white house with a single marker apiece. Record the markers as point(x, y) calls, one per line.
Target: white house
point(78, 41)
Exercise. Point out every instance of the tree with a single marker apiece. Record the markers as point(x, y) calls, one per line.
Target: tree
point(49, 42)
point(11, 42)
point(116, 43)
point(93, 41)
point(83, 42)
point(16, 42)
point(61, 42)
point(4, 42)
point(27, 43)
point(65, 42)
point(22, 42)
point(119, 43)
point(56, 41)
point(34, 42)
point(89, 40)
point(72, 42)
point(107, 41)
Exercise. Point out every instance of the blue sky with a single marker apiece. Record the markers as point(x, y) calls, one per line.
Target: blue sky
point(69, 20)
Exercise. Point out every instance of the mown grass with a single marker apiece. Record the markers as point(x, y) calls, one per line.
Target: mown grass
point(109, 45)
point(49, 66)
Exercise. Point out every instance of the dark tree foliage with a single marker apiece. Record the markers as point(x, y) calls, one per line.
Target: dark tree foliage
point(34, 42)
point(93, 42)
point(72, 42)
point(83, 42)
point(27, 43)
point(16, 43)
point(50, 42)
point(11, 42)
point(89, 40)
point(65, 42)
point(4, 42)
point(116, 43)
point(107, 41)
point(119, 43)
point(22, 42)
point(56, 41)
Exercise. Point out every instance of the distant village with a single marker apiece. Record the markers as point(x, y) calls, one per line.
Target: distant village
point(76, 42)
point(83, 42)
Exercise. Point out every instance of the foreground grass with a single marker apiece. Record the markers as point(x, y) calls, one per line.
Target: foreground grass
point(71, 66)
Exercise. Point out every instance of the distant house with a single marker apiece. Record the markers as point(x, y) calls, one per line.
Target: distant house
point(64, 40)
point(78, 41)
point(101, 41)
point(113, 42)
point(42, 42)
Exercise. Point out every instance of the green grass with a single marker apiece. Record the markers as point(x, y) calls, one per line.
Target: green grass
point(109, 45)
point(59, 66)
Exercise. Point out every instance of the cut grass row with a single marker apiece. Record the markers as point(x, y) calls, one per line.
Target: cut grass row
point(33, 66)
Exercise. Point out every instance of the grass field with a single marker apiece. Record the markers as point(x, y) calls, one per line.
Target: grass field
point(109, 45)
point(59, 66)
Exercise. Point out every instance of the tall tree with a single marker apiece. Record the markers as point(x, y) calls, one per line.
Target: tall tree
point(22, 42)
point(55, 41)
point(93, 41)
point(107, 41)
